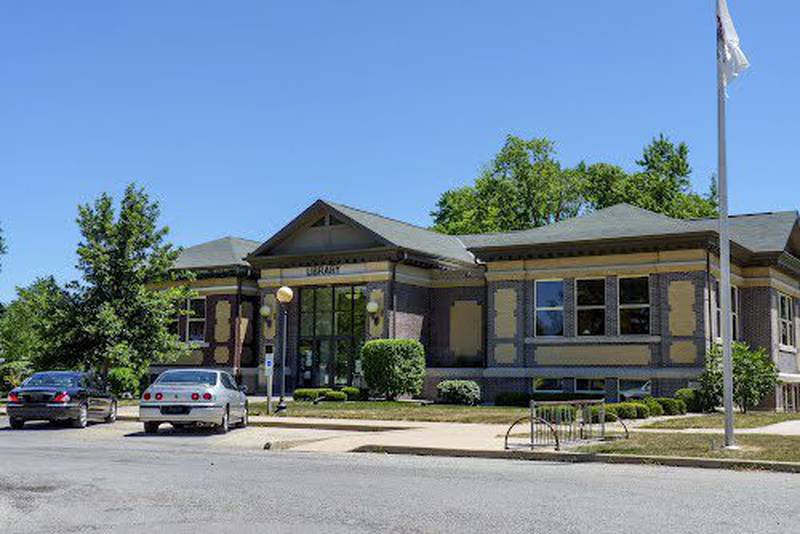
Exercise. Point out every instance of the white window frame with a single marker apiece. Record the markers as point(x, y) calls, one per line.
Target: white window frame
point(621, 306)
point(787, 322)
point(190, 319)
point(537, 309)
point(736, 333)
point(575, 385)
point(578, 307)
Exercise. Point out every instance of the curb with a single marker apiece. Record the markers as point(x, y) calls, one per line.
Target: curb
point(314, 426)
point(577, 457)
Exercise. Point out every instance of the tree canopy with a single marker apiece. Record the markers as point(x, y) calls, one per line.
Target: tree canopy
point(525, 186)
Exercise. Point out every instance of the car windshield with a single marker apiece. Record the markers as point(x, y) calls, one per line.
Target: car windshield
point(188, 377)
point(63, 380)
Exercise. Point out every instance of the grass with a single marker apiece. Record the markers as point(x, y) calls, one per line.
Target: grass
point(399, 411)
point(717, 420)
point(753, 446)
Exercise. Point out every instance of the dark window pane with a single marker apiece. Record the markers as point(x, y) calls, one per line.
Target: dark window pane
point(592, 322)
point(344, 355)
point(306, 362)
point(344, 323)
point(306, 324)
point(344, 298)
point(197, 330)
point(324, 326)
point(307, 300)
point(550, 323)
point(325, 348)
point(549, 294)
point(634, 290)
point(591, 292)
point(324, 299)
point(634, 321)
point(547, 384)
point(197, 307)
point(590, 384)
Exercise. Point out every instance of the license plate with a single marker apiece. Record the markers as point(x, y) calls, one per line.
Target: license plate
point(174, 410)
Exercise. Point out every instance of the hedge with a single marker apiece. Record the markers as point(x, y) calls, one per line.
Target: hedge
point(354, 393)
point(334, 396)
point(655, 408)
point(394, 367)
point(309, 394)
point(691, 397)
point(466, 392)
point(122, 380)
point(671, 406)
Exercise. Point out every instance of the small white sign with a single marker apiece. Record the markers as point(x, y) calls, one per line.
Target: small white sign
point(268, 363)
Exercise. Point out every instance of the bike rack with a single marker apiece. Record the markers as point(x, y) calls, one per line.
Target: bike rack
point(532, 419)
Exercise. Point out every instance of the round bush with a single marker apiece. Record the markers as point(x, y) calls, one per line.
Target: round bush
point(122, 380)
point(353, 393)
point(670, 406)
point(394, 367)
point(466, 392)
point(691, 397)
point(655, 408)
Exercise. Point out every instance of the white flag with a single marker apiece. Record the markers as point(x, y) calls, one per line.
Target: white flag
point(732, 60)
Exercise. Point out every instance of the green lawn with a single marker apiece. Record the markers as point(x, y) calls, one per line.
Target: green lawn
point(753, 446)
point(399, 411)
point(717, 420)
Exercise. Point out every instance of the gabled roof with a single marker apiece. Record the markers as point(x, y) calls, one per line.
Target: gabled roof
point(223, 252)
point(392, 233)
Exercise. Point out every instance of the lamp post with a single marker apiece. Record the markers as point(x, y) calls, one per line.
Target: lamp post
point(284, 296)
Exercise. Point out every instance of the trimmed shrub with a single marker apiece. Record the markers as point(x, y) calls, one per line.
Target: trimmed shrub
point(671, 406)
point(122, 380)
point(309, 394)
point(642, 410)
point(691, 397)
point(625, 410)
point(394, 367)
point(512, 398)
point(610, 411)
point(353, 393)
point(466, 392)
point(655, 408)
point(334, 396)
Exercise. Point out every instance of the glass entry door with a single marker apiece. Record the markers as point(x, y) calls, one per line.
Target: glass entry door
point(332, 329)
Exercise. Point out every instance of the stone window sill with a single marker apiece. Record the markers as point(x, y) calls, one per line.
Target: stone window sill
point(593, 340)
point(787, 348)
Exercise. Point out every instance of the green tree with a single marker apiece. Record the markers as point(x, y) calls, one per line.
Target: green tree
point(37, 331)
point(524, 186)
point(754, 377)
point(126, 321)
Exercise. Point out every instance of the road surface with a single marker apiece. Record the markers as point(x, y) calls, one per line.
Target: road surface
point(114, 479)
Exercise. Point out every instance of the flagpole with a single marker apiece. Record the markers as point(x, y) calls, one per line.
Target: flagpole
point(724, 255)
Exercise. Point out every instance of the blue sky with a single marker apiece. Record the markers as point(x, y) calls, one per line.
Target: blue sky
point(237, 115)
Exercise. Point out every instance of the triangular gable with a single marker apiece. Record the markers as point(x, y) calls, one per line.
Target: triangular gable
point(320, 229)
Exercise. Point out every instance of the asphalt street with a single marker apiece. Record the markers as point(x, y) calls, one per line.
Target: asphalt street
point(115, 479)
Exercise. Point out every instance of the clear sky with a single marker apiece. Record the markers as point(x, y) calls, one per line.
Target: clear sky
point(237, 115)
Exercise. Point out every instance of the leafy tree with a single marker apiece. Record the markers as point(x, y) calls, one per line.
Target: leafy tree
point(125, 320)
point(754, 377)
point(37, 330)
point(524, 186)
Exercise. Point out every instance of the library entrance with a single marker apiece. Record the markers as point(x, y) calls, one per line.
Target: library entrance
point(332, 330)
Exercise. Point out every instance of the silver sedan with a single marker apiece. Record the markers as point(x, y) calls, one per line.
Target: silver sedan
point(193, 397)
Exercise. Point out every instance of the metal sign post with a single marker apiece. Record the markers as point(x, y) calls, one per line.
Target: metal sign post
point(269, 367)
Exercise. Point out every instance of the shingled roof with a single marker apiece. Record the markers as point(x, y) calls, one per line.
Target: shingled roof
point(224, 252)
point(768, 232)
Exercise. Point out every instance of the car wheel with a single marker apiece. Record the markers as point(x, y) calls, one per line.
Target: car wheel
point(112, 415)
point(16, 424)
point(151, 427)
point(83, 418)
point(223, 427)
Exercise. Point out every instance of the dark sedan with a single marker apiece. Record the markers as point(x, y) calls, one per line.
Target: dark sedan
point(72, 396)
